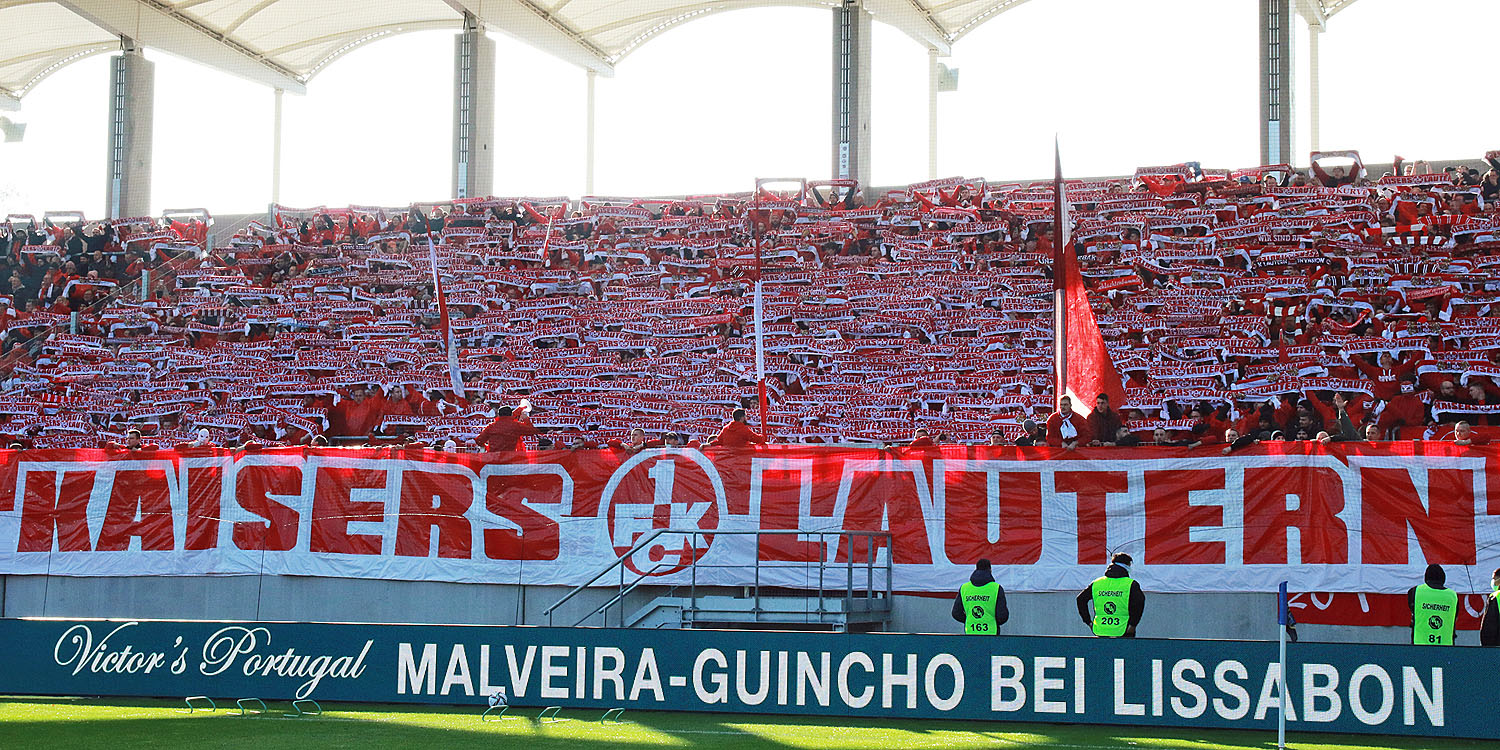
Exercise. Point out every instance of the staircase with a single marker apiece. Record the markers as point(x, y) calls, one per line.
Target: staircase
point(809, 612)
point(849, 595)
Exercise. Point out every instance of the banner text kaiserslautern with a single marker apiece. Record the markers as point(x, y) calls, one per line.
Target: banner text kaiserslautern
point(1231, 684)
point(1342, 517)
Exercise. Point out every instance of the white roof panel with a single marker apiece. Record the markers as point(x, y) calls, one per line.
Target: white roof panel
point(38, 38)
point(284, 43)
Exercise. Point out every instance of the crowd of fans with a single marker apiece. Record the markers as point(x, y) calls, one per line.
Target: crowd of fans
point(1242, 306)
point(51, 269)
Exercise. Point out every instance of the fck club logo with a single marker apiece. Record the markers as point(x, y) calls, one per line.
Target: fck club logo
point(1434, 622)
point(655, 501)
point(1109, 608)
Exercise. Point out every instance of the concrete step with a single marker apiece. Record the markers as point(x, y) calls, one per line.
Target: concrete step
point(837, 612)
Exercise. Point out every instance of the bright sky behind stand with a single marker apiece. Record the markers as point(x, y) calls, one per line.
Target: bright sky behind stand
point(716, 102)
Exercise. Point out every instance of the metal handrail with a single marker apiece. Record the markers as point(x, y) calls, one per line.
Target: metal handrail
point(130, 288)
point(620, 597)
point(868, 563)
point(605, 571)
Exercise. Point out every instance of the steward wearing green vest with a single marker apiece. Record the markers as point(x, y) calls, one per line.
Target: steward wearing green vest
point(980, 604)
point(1434, 609)
point(1116, 598)
point(1489, 623)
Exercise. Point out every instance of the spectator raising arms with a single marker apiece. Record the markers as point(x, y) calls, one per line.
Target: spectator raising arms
point(508, 431)
point(1255, 300)
point(736, 433)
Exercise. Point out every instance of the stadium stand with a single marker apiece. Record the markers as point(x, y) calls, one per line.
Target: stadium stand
point(1266, 301)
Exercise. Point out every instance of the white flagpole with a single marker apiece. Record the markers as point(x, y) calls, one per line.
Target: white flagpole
point(760, 334)
point(1281, 704)
point(1283, 615)
point(1059, 314)
point(760, 339)
point(760, 347)
point(455, 380)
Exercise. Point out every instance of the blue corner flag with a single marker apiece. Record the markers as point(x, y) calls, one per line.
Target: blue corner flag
point(1281, 610)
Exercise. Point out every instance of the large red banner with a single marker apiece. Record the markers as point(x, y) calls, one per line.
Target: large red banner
point(1355, 518)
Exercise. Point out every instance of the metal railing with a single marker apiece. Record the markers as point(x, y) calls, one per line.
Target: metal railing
point(619, 562)
point(619, 598)
point(139, 287)
point(872, 597)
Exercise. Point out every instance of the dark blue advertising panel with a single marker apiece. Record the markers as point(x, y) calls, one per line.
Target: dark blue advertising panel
point(1232, 684)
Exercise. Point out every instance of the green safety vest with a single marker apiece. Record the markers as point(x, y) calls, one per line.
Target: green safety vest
point(979, 608)
point(1111, 606)
point(1433, 614)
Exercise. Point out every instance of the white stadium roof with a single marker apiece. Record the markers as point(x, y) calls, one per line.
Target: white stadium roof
point(285, 43)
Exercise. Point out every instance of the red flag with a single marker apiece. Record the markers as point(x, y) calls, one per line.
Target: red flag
point(1082, 363)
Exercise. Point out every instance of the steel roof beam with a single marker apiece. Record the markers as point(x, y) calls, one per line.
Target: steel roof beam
point(158, 25)
point(915, 20)
point(530, 22)
point(1330, 7)
point(1313, 12)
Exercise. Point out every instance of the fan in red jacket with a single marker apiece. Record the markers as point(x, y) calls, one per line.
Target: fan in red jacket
point(737, 433)
point(1386, 375)
point(1355, 408)
point(1404, 410)
point(357, 413)
point(507, 431)
point(1076, 430)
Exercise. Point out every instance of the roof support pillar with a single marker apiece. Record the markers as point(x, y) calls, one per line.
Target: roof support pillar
point(1314, 35)
point(588, 137)
point(1276, 21)
point(851, 92)
point(934, 76)
point(276, 150)
point(473, 111)
point(132, 85)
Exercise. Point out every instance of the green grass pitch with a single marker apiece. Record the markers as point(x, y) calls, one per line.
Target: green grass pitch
point(80, 723)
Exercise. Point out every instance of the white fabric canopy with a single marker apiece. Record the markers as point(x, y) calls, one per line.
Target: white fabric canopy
point(285, 43)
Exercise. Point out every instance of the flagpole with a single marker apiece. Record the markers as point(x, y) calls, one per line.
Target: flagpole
point(760, 336)
point(547, 238)
point(1282, 619)
point(1059, 321)
point(455, 380)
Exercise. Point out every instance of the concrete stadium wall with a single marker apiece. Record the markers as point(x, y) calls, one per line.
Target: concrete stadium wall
point(306, 599)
